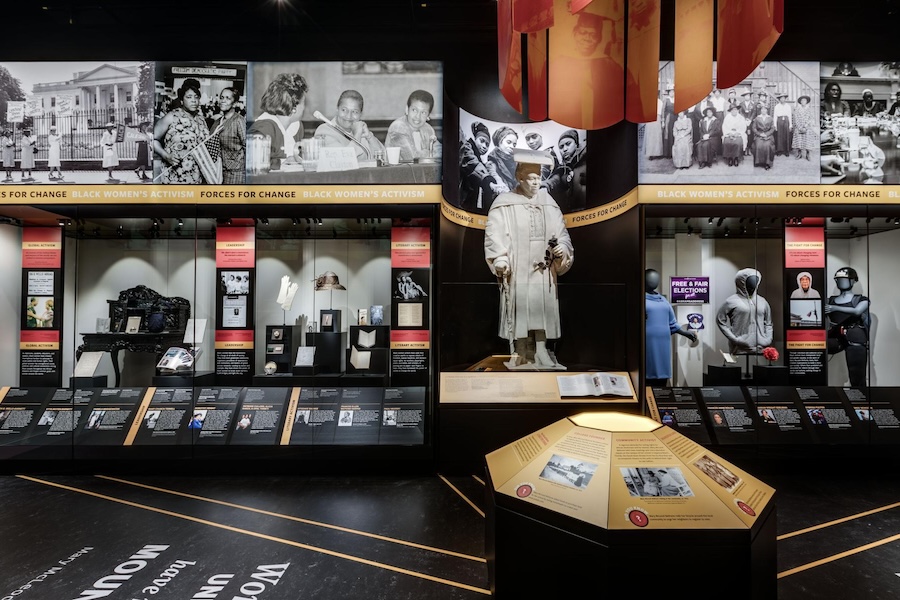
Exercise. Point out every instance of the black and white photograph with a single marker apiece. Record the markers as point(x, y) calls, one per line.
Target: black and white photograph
point(235, 283)
point(487, 167)
point(47, 418)
point(718, 472)
point(568, 471)
point(410, 284)
point(389, 419)
point(302, 417)
point(76, 122)
point(346, 419)
point(860, 116)
point(763, 130)
point(95, 419)
point(351, 122)
point(151, 418)
point(656, 481)
point(200, 134)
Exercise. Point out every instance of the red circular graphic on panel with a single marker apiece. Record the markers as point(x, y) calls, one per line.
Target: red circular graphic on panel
point(746, 508)
point(638, 518)
point(524, 490)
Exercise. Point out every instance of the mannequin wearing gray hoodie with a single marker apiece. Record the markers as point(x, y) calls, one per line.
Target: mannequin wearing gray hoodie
point(745, 318)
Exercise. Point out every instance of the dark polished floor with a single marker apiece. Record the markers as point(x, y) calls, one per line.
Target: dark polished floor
point(371, 538)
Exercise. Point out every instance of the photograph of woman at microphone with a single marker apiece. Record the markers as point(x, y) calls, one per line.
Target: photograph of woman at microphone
point(342, 136)
point(348, 129)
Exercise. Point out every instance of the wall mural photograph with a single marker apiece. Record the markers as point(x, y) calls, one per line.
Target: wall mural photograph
point(487, 166)
point(370, 122)
point(860, 122)
point(764, 130)
point(76, 122)
point(200, 134)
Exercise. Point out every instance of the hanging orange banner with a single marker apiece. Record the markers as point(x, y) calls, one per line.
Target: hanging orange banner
point(532, 15)
point(577, 5)
point(746, 33)
point(587, 65)
point(693, 52)
point(509, 56)
point(537, 76)
point(642, 92)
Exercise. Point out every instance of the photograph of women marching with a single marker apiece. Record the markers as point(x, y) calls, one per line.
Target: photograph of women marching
point(199, 136)
point(487, 167)
point(75, 122)
point(352, 122)
point(765, 129)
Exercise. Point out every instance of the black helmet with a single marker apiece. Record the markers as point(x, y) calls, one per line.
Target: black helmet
point(848, 272)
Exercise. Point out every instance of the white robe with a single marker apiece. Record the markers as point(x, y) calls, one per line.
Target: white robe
point(519, 230)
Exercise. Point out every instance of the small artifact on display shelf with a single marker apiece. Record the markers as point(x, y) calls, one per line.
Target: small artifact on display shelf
point(270, 368)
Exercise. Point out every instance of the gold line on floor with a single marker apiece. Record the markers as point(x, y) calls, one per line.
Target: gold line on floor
point(837, 521)
point(478, 479)
point(835, 557)
point(263, 536)
point(461, 495)
point(297, 519)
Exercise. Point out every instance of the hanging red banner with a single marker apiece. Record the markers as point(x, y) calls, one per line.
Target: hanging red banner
point(537, 76)
point(509, 56)
point(642, 91)
point(532, 15)
point(746, 33)
point(587, 65)
point(693, 52)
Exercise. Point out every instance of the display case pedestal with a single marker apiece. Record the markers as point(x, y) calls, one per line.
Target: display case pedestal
point(95, 381)
point(187, 379)
point(771, 375)
point(329, 350)
point(728, 375)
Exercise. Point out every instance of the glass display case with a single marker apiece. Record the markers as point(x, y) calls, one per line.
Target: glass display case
point(773, 324)
point(186, 327)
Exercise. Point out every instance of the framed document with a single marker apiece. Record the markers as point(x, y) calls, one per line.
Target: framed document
point(133, 325)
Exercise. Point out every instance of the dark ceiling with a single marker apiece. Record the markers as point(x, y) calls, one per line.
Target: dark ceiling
point(287, 29)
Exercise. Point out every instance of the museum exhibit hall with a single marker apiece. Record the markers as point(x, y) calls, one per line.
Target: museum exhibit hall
point(413, 299)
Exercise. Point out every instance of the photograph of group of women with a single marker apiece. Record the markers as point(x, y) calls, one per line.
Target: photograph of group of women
point(386, 114)
point(860, 122)
point(487, 167)
point(763, 130)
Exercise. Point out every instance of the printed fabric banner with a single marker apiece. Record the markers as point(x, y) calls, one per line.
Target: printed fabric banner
point(587, 65)
point(693, 52)
point(537, 76)
point(531, 16)
point(746, 33)
point(509, 56)
point(642, 92)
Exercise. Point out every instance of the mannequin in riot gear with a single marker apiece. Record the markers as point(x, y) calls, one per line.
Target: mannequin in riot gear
point(848, 325)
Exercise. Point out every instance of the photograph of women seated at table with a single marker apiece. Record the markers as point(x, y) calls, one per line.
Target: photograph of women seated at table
point(860, 124)
point(353, 123)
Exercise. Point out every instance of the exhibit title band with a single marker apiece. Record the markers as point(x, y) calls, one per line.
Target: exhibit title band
point(221, 194)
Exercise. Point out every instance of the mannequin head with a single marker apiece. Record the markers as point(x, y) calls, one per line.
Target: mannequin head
point(752, 283)
point(651, 280)
point(845, 278)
